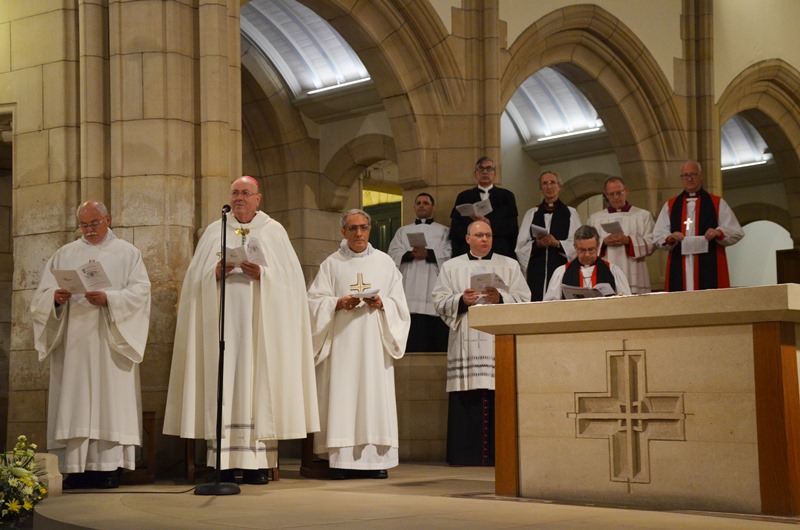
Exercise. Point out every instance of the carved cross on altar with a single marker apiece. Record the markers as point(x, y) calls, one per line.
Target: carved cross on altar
point(629, 416)
point(360, 286)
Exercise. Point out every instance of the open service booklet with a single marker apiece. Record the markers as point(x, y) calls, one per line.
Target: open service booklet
point(86, 278)
point(251, 251)
point(369, 293)
point(478, 209)
point(577, 293)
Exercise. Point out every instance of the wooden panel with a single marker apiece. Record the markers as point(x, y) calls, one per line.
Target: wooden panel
point(777, 417)
point(506, 471)
point(787, 263)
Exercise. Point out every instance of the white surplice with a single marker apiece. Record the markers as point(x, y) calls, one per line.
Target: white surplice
point(554, 291)
point(470, 353)
point(94, 417)
point(354, 355)
point(638, 225)
point(269, 390)
point(525, 240)
point(419, 275)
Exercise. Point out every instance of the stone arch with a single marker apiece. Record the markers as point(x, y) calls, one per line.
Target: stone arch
point(274, 137)
point(619, 76)
point(581, 187)
point(404, 46)
point(762, 211)
point(767, 94)
point(350, 161)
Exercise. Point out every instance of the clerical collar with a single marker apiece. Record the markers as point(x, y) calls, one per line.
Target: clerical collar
point(423, 222)
point(345, 249)
point(476, 258)
point(625, 208)
point(486, 189)
point(109, 236)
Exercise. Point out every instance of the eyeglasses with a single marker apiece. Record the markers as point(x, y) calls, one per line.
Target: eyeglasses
point(584, 251)
point(485, 169)
point(245, 194)
point(693, 174)
point(549, 183)
point(92, 225)
point(615, 193)
point(481, 235)
point(355, 228)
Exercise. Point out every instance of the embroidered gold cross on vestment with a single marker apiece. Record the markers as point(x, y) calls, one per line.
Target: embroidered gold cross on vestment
point(360, 286)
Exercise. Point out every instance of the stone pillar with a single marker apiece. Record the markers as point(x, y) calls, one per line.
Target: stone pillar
point(174, 148)
point(702, 122)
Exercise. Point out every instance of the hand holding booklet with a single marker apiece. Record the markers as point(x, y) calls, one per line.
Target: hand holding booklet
point(484, 280)
point(577, 293)
point(612, 228)
point(478, 209)
point(538, 231)
point(694, 245)
point(416, 239)
point(251, 251)
point(86, 278)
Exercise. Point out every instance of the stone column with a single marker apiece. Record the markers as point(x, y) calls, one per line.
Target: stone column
point(174, 147)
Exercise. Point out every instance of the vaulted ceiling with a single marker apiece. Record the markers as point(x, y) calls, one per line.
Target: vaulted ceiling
point(313, 58)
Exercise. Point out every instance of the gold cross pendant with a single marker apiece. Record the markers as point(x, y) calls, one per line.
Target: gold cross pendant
point(242, 232)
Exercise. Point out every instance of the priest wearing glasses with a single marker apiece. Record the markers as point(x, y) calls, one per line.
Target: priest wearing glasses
point(360, 322)
point(463, 284)
point(695, 227)
point(94, 340)
point(269, 389)
point(503, 216)
point(587, 269)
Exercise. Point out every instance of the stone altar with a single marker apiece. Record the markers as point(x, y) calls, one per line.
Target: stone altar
point(669, 400)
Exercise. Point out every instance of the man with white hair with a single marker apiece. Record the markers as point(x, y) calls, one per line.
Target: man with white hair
point(95, 341)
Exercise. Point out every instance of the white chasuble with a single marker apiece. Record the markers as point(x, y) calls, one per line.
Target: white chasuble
point(94, 402)
point(268, 391)
point(638, 225)
point(419, 276)
point(354, 354)
point(470, 353)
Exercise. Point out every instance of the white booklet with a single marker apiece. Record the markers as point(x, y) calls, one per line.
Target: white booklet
point(484, 280)
point(416, 239)
point(251, 251)
point(369, 293)
point(478, 209)
point(612, 228)
point(86, 278)
point(537, 231)
point(694, 245)
point(577, 293)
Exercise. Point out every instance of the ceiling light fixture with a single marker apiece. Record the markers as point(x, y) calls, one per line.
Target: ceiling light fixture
point(566, 135)
point(738, 166)
point(340, 85)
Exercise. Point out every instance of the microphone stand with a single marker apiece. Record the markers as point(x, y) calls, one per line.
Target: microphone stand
point(217, 487)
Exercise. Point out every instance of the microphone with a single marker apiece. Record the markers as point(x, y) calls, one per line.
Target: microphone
point(226, 208)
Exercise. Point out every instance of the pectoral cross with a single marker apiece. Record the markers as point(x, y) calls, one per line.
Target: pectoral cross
point(688, 224)
point(360, 286)
point(242, 232)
